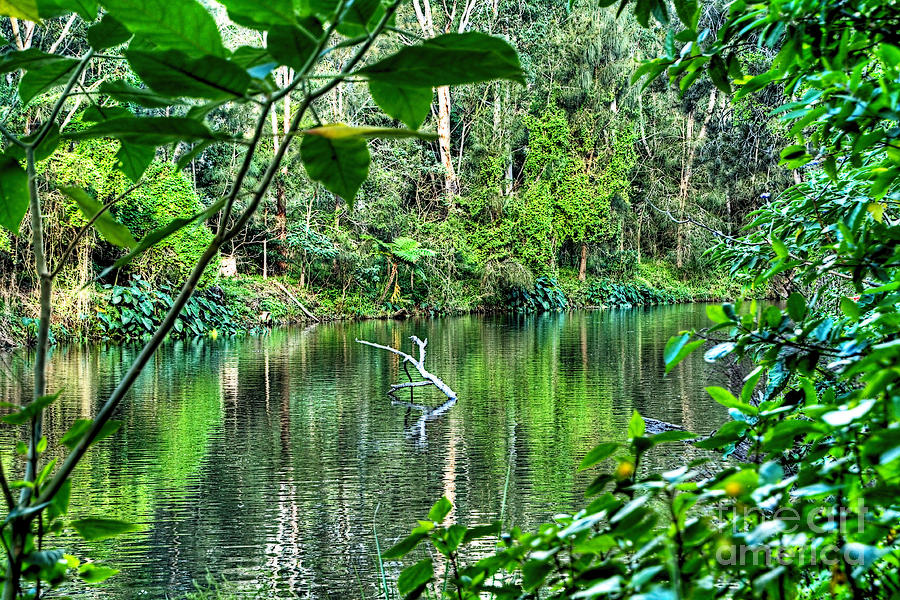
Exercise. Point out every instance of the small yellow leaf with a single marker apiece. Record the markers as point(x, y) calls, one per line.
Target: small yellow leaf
point(877, 210)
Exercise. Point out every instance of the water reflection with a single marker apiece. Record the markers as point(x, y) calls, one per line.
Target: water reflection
point(264, 459)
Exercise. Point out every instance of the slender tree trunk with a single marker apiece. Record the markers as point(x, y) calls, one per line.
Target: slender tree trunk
point(690, 153)
point(582, 267)
point(451, 183)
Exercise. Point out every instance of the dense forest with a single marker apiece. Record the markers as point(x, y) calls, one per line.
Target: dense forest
point(575, 188)
point(178, 172)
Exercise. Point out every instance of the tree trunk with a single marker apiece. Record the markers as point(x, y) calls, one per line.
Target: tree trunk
point(582, 268)
point(687, 169)
point(451, 183)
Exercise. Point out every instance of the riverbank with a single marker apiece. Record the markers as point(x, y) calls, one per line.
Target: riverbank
point(131, 310)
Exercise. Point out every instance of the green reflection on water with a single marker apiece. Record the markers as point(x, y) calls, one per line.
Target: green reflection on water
point(264, 459)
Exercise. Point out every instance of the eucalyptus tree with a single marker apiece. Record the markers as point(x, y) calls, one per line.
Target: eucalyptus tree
point(182, 70)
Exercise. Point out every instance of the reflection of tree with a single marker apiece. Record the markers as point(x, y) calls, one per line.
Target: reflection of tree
point(268, 467)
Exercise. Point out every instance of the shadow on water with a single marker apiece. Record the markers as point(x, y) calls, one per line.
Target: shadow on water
point(263, 459)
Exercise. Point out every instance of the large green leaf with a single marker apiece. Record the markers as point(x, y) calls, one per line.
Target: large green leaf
point(340, 164)
point(677, 349)
point(449, 59)
point(111, 230)
point(292, 45)
point(174, 73)
point(262, 15)
point(54, 8)
point(30, 410)
point(13, 193)
point(180, 24)
point(49, 76)
point(409, 105)
point(124, 92)
point(94, 573)
point(107, 33)
point(150, 131)
point(360, 16)
point(20, 9)
point(415, 576)
point(95, 529)
point(339, 130)
point(81, 426)
point(134, 159)
point(32, 58)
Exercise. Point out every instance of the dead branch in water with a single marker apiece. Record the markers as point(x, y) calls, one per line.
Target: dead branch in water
point(429, 379)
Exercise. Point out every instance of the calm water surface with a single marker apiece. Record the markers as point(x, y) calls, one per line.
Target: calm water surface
point(265, 459)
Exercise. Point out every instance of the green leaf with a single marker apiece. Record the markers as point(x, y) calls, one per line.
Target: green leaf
point(796, 305)
point(449, 59)
point(667, 437)
point(96, 113)
point(133, 159)
point(93, 573)
point(37, 81)
point(31, 410)
point(20, 9)
point(677, 348)
point(174, 73)
point(150, 131)
point(415, 576)
point(339, 130)
point(13, 194)
point(112, 231)
point(727, 399)
point(261, 15)
point(59, 504)
point(360, 16)
point(32, 58)
point(81, 427)
point(171, 24)
point(716, 313)
point(408, 105)
point(636, 425)
point(849, 308)
point(292, 45)
point(598, 454)
point(404, 546)
point(688, 12)
point(87, 9)
point(440, 510)
point(718, 71)
point(480, 531)
point(123, 92)
point(157, 235)
point(340, 164)
point(94, 529)
point(107, 33)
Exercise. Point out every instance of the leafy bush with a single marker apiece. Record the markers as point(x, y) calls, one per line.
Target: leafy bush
point(604, 292)
point(136, 310)
point(545, 295)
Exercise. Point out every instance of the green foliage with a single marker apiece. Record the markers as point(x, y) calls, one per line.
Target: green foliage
point(604, 292)
point(174, 54)
point(545, 295)
point(806, 504)
point(135, 311)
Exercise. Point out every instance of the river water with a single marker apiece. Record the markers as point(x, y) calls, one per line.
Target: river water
point(272, 461)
